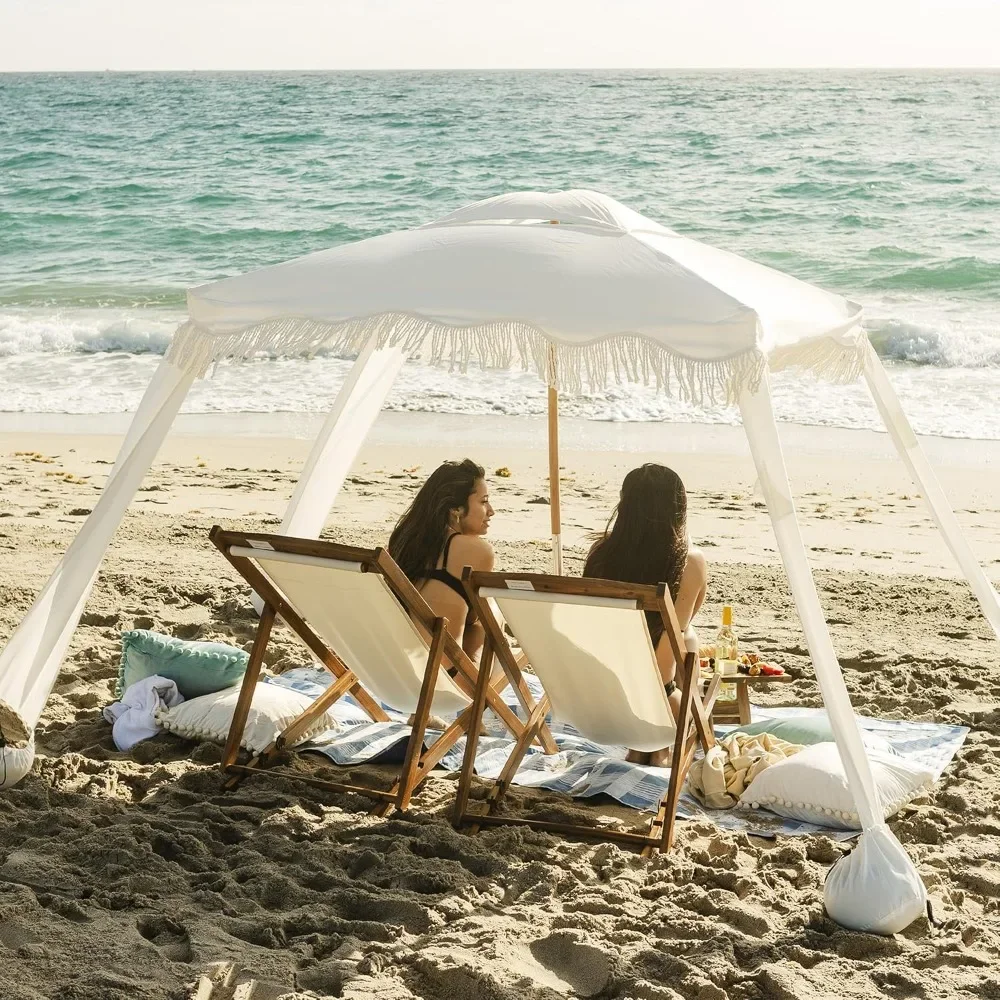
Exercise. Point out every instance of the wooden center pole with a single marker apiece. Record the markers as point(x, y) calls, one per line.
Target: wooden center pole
point(554, 466)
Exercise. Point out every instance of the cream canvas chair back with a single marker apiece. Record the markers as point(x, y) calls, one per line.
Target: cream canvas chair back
point(595, 659)
point(359, 617)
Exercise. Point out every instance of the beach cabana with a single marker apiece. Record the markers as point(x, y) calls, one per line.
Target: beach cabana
point(583, 290)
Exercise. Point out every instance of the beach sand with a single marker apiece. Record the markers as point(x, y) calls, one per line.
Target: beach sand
point(131, 876)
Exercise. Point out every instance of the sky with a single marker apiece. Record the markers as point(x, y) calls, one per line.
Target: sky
point(39, 35)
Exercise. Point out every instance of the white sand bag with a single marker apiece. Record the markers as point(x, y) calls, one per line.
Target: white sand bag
point(15, 762)
point(875, 888)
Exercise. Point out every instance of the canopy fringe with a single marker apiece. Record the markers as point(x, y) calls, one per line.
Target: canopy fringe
point(825, 358)
point(619, 358)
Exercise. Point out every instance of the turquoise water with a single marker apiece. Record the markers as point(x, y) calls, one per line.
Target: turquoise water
point(118, 191)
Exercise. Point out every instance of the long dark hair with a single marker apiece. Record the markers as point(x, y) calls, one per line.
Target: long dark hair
point(646, 538)
point(419, 535)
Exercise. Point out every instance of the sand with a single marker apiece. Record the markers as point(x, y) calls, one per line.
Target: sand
point(132, 876)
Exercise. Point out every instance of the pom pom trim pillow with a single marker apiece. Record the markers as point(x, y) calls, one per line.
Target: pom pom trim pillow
point(196, 668)
point(812, 786)
point(271, 710)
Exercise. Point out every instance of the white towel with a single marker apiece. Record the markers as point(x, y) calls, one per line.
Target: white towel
point(719, 778)
point(133, 718)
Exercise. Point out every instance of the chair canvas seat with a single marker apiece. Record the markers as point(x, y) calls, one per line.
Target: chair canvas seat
point(363, 620)
point(589, 655)
point(588, 643)
point(357, 614)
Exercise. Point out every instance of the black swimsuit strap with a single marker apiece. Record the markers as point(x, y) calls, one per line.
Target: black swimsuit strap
point(449, 579)
point(443, 576)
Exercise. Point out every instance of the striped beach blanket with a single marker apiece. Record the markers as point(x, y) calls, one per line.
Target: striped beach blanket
point(584, 769)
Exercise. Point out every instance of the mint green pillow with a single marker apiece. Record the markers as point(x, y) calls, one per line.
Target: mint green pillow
point(195, 667)
point(802, 729)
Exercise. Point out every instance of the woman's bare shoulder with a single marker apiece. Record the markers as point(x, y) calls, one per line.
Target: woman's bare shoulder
point(472, 550)
point(696, 563)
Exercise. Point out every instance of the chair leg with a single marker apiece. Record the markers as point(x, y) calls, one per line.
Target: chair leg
point(681, 757)
point(533, 726)
point(258, 762)
point(544, 734)
point(475, 714)
point(413, 748)
point(466, 678)
point(711, 693)
point(291, 733)
point(702, 722)
point(239, 722)
point(428, 761)
point(655, 831)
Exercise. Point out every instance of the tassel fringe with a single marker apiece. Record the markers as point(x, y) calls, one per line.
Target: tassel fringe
point(825, 358)
point(620, 358)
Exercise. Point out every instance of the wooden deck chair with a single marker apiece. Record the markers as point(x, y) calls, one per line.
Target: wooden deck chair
point(366, 623)
point(589, 644)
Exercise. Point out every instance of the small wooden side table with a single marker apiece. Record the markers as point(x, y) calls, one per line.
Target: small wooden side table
point(738, 710)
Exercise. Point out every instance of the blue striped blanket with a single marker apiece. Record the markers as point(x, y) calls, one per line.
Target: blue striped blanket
point(583, 769)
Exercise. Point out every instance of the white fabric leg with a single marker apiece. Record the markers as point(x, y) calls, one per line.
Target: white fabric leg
point(162, 387)
point(765, 446)
point(927, 482)
point(354, 411)
point(876, 887)
point(31, 659)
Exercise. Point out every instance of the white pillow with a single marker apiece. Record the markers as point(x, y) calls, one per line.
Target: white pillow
point(812, 786)
point(209, 716)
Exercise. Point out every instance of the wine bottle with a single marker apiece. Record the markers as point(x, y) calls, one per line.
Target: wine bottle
point(726, 652)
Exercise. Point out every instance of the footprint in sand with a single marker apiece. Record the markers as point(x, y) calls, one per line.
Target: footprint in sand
point(169, 936)
point(584, 968)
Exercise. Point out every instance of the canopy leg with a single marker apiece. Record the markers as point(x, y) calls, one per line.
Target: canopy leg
point(334, 451)
point(31, 659)
point(354, 411)
point(554, 511)
point(923, 476)
point(876, 887)
point(765, 446)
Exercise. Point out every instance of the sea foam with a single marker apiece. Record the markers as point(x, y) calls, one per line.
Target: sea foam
point(942, 342)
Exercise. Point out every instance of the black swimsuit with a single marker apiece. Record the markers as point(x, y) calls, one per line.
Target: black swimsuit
point(443, 576)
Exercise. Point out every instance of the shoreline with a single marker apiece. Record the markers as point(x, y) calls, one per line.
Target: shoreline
point(855, 500)
point(402, 427)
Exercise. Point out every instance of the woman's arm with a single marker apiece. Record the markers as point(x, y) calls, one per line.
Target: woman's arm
point(690, 597)
point(693, 588)
point(474, 551)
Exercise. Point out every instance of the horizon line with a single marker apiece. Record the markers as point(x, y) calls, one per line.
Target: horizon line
point(524, 69)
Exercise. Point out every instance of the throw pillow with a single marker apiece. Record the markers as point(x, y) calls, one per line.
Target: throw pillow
point(807, 730)
point(812, 786)
point(804, 730)
point(196, 668)
point(272, 709)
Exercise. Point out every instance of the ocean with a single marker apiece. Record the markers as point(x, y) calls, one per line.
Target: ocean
point(118, 191)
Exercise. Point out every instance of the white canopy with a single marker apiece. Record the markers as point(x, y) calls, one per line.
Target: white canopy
point(617, 295)
point(585, 290)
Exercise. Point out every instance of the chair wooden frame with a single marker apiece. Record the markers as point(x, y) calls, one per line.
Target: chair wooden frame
point(442, 650)
point(693, 726)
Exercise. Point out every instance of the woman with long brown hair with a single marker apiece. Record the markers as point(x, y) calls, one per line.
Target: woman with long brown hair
point(646, 541)
point(441, 532)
